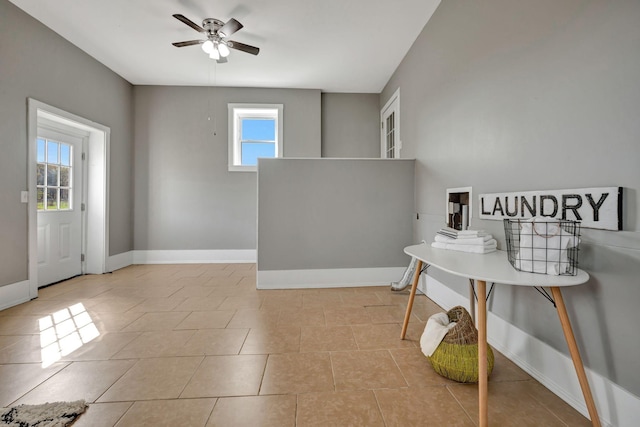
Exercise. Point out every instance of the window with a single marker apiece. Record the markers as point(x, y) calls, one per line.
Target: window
point(390, 114)
point(255, 130)
point(390, 134)
point(54, 175)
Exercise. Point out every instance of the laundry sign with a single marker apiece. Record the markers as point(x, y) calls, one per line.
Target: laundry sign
point(595, 207)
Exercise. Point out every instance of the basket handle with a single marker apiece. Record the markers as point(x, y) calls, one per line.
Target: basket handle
point(545, 236)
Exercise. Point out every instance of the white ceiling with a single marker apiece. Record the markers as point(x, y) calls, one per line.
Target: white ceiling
point(332, 45)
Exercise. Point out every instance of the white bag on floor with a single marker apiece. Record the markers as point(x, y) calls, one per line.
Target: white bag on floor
point(437, 327)
point(407, 277)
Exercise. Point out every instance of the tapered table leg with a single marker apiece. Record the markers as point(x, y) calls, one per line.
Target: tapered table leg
point(483, 386)
point(472, 302)
point(575, 355)
point(412, 295)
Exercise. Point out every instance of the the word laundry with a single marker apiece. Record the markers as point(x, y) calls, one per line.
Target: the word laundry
point(594, 207)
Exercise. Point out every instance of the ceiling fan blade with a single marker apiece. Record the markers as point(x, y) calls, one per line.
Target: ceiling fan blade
point(188, 43)
point(222, 60)
point(189, 22)
point(229, 28)
point(243, 47)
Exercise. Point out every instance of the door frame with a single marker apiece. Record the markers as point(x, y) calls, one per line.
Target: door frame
point(392, 104)
point(96, 225)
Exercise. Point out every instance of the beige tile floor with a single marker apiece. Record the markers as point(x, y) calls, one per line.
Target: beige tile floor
point(198, 345)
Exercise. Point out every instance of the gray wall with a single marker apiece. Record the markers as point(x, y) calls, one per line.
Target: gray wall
point(185, 197)
point(334, 213)
point(36, 62)
point(508, 96)
point(350, 125)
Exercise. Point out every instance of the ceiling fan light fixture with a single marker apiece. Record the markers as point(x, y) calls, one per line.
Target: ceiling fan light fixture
point(207, 46)
point(223, 49)
point(214, 54)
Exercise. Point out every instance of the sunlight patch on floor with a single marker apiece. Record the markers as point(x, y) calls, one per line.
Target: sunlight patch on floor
point(63, 332)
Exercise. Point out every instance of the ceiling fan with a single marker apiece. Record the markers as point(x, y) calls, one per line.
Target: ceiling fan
point(216, 44)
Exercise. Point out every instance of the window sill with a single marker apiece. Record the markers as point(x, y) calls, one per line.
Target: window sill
point(236, 168)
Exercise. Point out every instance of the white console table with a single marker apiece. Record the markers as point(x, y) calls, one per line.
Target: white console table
point(494, 267)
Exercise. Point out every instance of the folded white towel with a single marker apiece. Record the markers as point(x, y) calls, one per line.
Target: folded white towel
point(546, 235)
point(437, 327)
point(465, 248)
point(543, 246)
point(544, 267)
point(471, 241)
point(470, 234)
point(461, 234)
point(492, 242)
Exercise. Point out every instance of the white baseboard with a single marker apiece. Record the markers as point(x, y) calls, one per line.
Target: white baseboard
point(213, 256)
point(328, 278)
point(14, 294)
point(553, 369)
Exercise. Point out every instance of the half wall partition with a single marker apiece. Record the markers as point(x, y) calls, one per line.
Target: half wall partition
point(333, 222)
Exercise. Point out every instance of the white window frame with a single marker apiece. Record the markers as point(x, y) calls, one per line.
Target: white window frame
point(58, 187)
point(391, 107)
point(240, 111)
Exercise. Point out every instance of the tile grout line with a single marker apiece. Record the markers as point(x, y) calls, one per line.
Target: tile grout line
point(375, 396)
point(474, 421)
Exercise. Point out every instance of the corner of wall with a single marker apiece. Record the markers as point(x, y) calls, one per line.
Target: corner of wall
point(116, 262)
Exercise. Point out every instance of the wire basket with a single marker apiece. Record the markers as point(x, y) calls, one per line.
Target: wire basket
point(543, 245)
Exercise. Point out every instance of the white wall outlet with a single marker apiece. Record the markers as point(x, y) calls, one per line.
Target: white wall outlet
point(24, 197)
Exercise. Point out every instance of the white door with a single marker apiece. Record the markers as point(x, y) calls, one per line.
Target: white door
point(390, 135)
point(59, 204)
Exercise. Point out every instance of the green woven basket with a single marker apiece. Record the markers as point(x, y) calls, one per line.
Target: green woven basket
point(456, 357)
